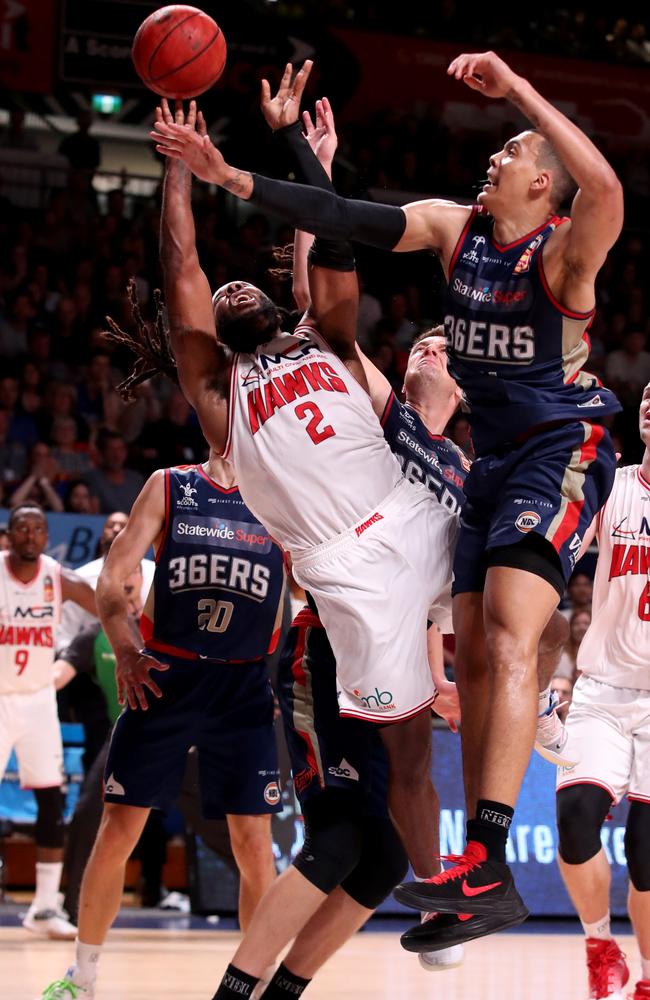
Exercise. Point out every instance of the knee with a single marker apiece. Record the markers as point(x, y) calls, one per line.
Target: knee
point(509, 653)
point(119, 831)
point(581, 811)
point(251, 844)
point(333, 839)
point(49, 818)
point(555, 636)
point(382, 865)
point(637, 841)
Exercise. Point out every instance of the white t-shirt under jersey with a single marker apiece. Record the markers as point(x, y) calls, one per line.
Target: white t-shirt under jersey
point(29, 613)
point(309, 453)
point(616, 647)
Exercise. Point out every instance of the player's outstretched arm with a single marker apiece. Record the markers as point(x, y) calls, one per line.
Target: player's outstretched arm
point(143, 529)
point(597, 213)
point(432, 225)
point(74, 588)
point(203, 365)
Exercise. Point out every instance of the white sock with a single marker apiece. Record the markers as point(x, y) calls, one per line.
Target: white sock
point(48, 880)
point(645, 968)
point(85, 967)
point(544, 701)
point(600, 929)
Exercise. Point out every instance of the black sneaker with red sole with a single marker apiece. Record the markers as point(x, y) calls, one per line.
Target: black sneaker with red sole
point(444, 930)
point(473, 885)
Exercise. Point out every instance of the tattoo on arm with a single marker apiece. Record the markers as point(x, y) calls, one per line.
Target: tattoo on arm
point(241, 183)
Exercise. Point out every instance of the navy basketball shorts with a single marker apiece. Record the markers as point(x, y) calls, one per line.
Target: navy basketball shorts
point(226, 711)
point(553, 484)
point(326, 749)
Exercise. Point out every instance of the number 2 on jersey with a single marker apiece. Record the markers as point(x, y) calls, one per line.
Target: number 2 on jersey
point(22, 656)
point(316, 434)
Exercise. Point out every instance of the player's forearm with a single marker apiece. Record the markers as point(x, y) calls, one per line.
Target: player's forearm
point(586, 164)
point(113, 611)
point(177, 232)
point(315, 172)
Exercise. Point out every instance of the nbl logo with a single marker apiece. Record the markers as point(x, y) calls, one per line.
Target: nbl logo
point(527, 520)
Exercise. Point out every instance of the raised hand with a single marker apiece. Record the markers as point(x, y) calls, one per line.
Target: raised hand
point(187, 140)
point(321, 136)
point(283, 109)
point(132, 675)
point(485, 72)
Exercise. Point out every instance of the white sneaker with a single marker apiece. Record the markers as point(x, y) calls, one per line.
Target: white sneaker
point(551, 735)
point(446, 958)
point(49, 923)
point(65, 989)
point(176, 901)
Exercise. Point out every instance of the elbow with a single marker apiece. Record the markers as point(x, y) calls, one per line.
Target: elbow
point(301, 296)
point(608, 186)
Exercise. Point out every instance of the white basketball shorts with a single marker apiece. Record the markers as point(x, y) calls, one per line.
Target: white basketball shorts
point(29, 724)
point(374, 586)
point(609, 736)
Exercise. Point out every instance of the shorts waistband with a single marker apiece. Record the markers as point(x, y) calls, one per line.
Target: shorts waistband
point(378, 513)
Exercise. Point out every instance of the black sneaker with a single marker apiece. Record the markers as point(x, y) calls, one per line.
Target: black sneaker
point(444, 930)
point(473, 885)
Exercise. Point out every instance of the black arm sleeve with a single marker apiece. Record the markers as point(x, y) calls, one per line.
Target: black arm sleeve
point(326, 214)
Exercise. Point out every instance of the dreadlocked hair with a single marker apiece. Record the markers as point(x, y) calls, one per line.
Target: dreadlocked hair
point(150, 344)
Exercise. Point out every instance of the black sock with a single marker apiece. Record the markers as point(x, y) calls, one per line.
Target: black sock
point(491, 827)
point(285, 984)
point(235, 983)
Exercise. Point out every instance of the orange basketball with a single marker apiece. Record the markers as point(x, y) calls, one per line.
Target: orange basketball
point(179, 51)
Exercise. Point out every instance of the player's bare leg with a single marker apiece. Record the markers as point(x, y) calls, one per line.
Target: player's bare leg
point(588, 885)
point(336, 920)
point(412, 800)
point(250, 839)
point(473, 682)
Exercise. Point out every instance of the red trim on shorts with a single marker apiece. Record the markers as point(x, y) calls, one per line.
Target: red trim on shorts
point(569, 523)
point(222, 489)
point(386, 412)
point(306, 619)
point(588, 781)
point(636, 797)
point(231, 407)
point(571, 313)
point(385, 720)
point(461, 240)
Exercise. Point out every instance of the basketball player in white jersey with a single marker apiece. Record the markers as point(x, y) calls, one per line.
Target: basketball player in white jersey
point(293, 415)
point(608, 730)
point(32, 588)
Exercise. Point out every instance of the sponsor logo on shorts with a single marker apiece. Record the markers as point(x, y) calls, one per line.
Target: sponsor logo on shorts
point(304, 778)
point(344, 770)
point(113, 787)
point(272, 793)
point(534, 503)
point(360, 528)
point(377, 701)
point(527, 520)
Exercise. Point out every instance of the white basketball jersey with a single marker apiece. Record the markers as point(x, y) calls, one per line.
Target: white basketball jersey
point(28, 615)
point(616, 648)
point(309, 452)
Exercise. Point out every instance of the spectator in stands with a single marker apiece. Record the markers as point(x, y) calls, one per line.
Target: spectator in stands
point(563, 686)
point(627, 370)
point(82, 150)
point(368, 315)
point(22, 426)
point(79, 499)
point(38, 485)
point(13, 457)
point(71, 457)
point(115, 485)
point(15, 324)
point(61, 401)
point(14, 136)
point(579, 593)
point(579, 622)
point(175, 439)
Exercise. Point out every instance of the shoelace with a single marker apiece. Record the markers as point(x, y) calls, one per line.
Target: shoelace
point(58, 989)
point(602, 965)
point(462, 863)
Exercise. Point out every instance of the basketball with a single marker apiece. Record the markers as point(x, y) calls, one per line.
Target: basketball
point(179, 51)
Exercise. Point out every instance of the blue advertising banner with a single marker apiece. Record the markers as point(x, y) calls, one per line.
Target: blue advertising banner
point(72, 537)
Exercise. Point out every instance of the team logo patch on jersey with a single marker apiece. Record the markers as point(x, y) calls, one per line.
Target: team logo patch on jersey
point(188, 492)
point(48, 589)
point(527, 520)
point(272, 793)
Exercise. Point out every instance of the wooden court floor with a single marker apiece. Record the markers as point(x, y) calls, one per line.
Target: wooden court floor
point(187, 965)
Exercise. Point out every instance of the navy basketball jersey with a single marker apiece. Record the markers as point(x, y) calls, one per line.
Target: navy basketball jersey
point(219, 583)
point(426, 458)
point(514, 350)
